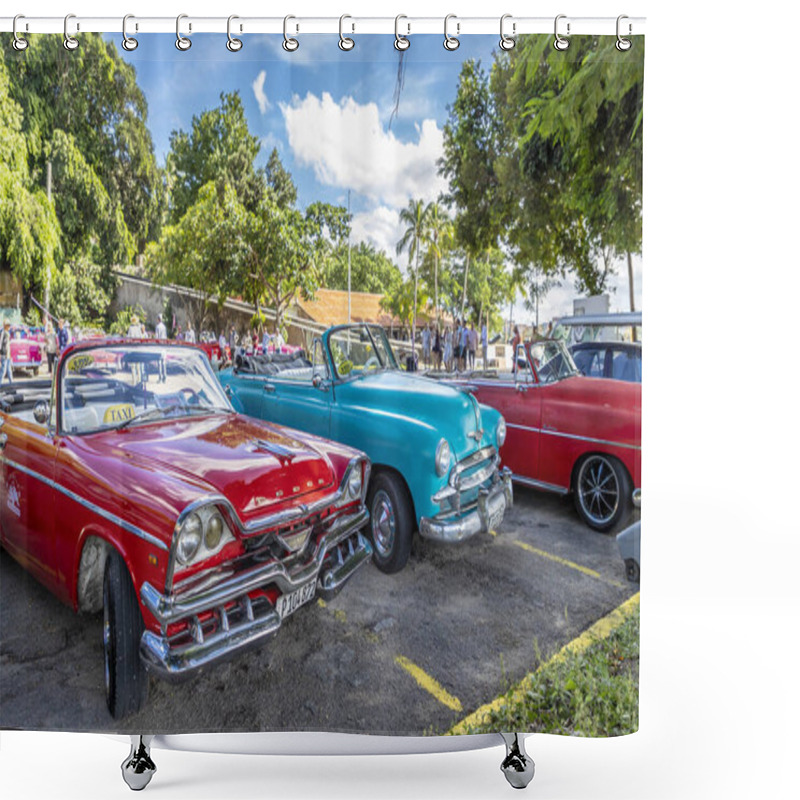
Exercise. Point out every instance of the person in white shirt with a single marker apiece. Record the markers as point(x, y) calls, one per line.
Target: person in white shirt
point(135, 330)
point(189, 335)
point(161, 328)
point(279, 341)
point(265, 342)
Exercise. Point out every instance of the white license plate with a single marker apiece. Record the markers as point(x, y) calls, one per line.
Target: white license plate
point(289, 603)
point(497, 517)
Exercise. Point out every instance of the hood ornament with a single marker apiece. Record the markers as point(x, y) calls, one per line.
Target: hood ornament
point(283, 453)
point(476, 435)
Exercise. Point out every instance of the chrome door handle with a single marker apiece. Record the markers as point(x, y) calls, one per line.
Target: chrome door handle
point(268, 387)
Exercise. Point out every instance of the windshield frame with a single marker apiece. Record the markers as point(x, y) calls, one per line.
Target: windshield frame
point(564, 353)
point(380, 344)
point(84, 348)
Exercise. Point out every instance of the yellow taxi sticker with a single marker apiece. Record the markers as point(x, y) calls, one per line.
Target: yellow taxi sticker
point(118, 413)
point(78, 363)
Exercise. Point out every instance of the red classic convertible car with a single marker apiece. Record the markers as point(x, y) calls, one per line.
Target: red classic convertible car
point(26, 350)
point(132, 487)
point(568, 433)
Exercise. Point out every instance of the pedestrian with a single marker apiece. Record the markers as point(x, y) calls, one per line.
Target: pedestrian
point(464, 344)
point(5, 353)
point(189, 335)
point(265, 341)
point(515, 342)
point(437, 349)
point(161, 328)
point(51, 345)
point(62, 336)
point(472, 344)
point(457, 345)
point(485, 345)
point(448, 349)
point(135, 330)
point(426, 346)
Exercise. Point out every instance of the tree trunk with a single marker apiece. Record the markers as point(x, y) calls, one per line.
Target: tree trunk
point(464, 296)
point(414, 318)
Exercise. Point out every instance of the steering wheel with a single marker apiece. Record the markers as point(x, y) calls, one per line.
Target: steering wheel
point(191, 399)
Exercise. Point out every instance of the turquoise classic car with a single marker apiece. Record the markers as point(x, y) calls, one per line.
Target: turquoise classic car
point(434, 448)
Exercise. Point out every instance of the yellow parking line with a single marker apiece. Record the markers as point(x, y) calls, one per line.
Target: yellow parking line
point(429, 684)
point(564, 562)
point(600, 630)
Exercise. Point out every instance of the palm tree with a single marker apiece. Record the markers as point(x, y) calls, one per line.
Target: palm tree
point(414, 215)
point(441, 234)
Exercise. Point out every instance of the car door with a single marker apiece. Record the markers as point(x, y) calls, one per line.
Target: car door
point(27, 497)
point(301, 398)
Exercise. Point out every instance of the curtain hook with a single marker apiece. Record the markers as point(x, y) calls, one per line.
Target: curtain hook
point(507, 42)
point(289, 44)
point(560, 43)
point(128, 42)
point(18, 43)
point(181, 42)
point(451, 42)
point(401, 42)
point(623, 44)
point(233, 44)
point(345, 42)
point(70, 42)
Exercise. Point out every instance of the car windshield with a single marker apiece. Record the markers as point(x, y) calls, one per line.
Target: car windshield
point(119, 385)
point(359, 349)
point(552, 361)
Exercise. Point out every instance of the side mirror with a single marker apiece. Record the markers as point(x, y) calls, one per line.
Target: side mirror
point(318, 383)
point(41, 412)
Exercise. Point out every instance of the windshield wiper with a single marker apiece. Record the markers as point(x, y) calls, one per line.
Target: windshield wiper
point(206, 408)
point(151, 412)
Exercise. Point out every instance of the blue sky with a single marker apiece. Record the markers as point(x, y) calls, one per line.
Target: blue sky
point(328, 113)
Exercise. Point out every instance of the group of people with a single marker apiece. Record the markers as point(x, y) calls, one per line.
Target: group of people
point(454, 349)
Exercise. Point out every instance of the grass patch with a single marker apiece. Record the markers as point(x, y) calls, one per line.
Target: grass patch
point(592, 692)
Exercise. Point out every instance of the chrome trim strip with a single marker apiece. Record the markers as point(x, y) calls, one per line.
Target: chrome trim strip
point(574, 436)
point(534, 484)
point(127, 526)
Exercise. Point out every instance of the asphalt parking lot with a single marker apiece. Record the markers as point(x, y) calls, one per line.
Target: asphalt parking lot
point(409, 653)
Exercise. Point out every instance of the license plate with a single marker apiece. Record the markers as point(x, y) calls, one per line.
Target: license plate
point(289, 603)
point(497, 517)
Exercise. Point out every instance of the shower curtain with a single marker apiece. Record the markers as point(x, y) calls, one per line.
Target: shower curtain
point(245, 199)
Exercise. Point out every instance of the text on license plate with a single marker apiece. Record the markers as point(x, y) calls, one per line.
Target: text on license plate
point(289, 603)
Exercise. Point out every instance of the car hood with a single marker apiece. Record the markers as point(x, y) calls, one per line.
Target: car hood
point(255, 465)
point(454, 413)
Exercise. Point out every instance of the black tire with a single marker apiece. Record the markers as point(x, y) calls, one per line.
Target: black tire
point(391, 525)
point(632, 570)
point(126, 678)
point(603, 492)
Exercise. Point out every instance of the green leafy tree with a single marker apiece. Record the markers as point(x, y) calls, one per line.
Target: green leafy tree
point(371, 270)
point(92, 95)
point(219, 147)
point(441, 236)
point(415, 236)
point(279, 180)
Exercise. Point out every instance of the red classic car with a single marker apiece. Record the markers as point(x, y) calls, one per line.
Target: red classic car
point(568, 433)
point(132, 487)
point(26, 351)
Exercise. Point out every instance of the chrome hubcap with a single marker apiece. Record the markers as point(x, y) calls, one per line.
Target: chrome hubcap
point(598, 490)
point(383, 523)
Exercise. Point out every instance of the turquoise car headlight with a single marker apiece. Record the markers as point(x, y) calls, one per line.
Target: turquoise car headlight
point(501, 432)
point(189, 538)
point(442, 457)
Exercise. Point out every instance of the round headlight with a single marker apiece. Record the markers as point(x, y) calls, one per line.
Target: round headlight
point(442, 457)
point(354, 482)
point(189, 538)
point(214, 528)
point(501, 432)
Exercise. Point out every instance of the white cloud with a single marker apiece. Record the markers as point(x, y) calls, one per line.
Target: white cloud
point(258, 91)
point(347, 145)
point(380, 227)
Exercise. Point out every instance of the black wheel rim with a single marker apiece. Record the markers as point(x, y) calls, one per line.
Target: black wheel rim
point(598, 490)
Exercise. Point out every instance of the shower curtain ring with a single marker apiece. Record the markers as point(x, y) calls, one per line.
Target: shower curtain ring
point(560, 43)
point(451, 42)
point(401, 42)
point(18, 43)
point(507, 42)
point(345, 42)
point(128, 42)
point(289, 44)
point(181, 42)
point(70, 42)
point(623, 44)
point(233, 44)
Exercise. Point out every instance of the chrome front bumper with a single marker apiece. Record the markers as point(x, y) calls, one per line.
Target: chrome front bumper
point(249, 622)
point(485, 514)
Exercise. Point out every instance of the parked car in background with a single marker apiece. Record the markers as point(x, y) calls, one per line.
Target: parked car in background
point(434, 448)
point(621, 361)
point(26, 350)
point(625, 326)
point(141, 493)
point(568, 433)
